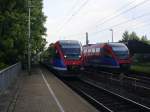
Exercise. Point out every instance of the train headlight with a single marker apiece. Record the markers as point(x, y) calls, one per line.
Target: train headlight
point(65, 56)
point(79, 56)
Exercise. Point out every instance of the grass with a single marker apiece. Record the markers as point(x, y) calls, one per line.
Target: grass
point(141, 67)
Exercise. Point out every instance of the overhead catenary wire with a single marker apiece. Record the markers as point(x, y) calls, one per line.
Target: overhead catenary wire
point(73, 15)
point(126, 5)
point(124, 22)
point(137, 26)
point(68, 13)
point(116, 25)
point(116, 11)
point(123, 12)
point(76, 12)
point(119, 9)
point(146, 23)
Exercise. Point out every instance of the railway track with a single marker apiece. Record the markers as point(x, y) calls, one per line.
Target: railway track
point(139, 73)
point(103, 99)
point(130, 84)
point(142, 78)
point(139, 80)
point(94, 97)
point(136, 80)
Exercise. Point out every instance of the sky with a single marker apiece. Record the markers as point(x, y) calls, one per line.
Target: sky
point(71, 19)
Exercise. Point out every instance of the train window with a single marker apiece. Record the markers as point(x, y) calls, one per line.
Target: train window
point(121, 51)
point(97, 50)
point(93, 50)
point(89, 51)
point(70, 45)
point(71, 49)
point(119, 48)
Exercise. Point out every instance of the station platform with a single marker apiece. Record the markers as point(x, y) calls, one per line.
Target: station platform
point(43, 92)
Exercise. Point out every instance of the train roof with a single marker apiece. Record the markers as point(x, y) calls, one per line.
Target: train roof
point(94, 45)
point(116, 44)
point(68, 41)
point(103, 44)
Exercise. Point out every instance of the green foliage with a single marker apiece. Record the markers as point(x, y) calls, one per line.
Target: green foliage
point(133, 36)
point(145, 40)
point(14, 29)
point(125, 36)
point(141, 67)
point(2, 66)
point(49, 52)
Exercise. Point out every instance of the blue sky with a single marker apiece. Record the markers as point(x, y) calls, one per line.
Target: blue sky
point(70, 19)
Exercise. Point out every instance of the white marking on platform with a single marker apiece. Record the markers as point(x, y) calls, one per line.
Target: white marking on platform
point(52, 92)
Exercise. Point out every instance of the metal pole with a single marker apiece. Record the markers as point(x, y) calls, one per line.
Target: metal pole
point(87, 40)
point(29, 31)
point(112, 34)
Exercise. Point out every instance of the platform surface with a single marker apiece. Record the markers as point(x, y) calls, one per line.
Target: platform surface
point(43, 92)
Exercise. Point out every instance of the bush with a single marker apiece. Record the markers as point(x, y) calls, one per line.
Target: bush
point(2, 65)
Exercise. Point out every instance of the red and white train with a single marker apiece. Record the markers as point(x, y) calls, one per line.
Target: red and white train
point(65, 56)
point(107, 55)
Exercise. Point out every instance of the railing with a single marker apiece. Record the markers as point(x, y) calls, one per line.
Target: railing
point(8, 75)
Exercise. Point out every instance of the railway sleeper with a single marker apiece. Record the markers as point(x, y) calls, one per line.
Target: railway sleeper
point(107, 102)
point(114, 105)
point(129, 110)
point(143, 91)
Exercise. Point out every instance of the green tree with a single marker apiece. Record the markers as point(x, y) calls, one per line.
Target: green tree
point(133, 36)
point(144, 39)
point(14, 29)
point(37, 27)
point(125, 37)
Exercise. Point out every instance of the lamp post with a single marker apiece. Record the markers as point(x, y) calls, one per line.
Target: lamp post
point(87, 40)
point(112, 34)
point(29, 36)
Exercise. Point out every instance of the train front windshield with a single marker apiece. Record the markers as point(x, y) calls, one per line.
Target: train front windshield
point(120, 50)
point(71, 50)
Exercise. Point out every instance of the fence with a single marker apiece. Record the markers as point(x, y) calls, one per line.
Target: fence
point(8, 75)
